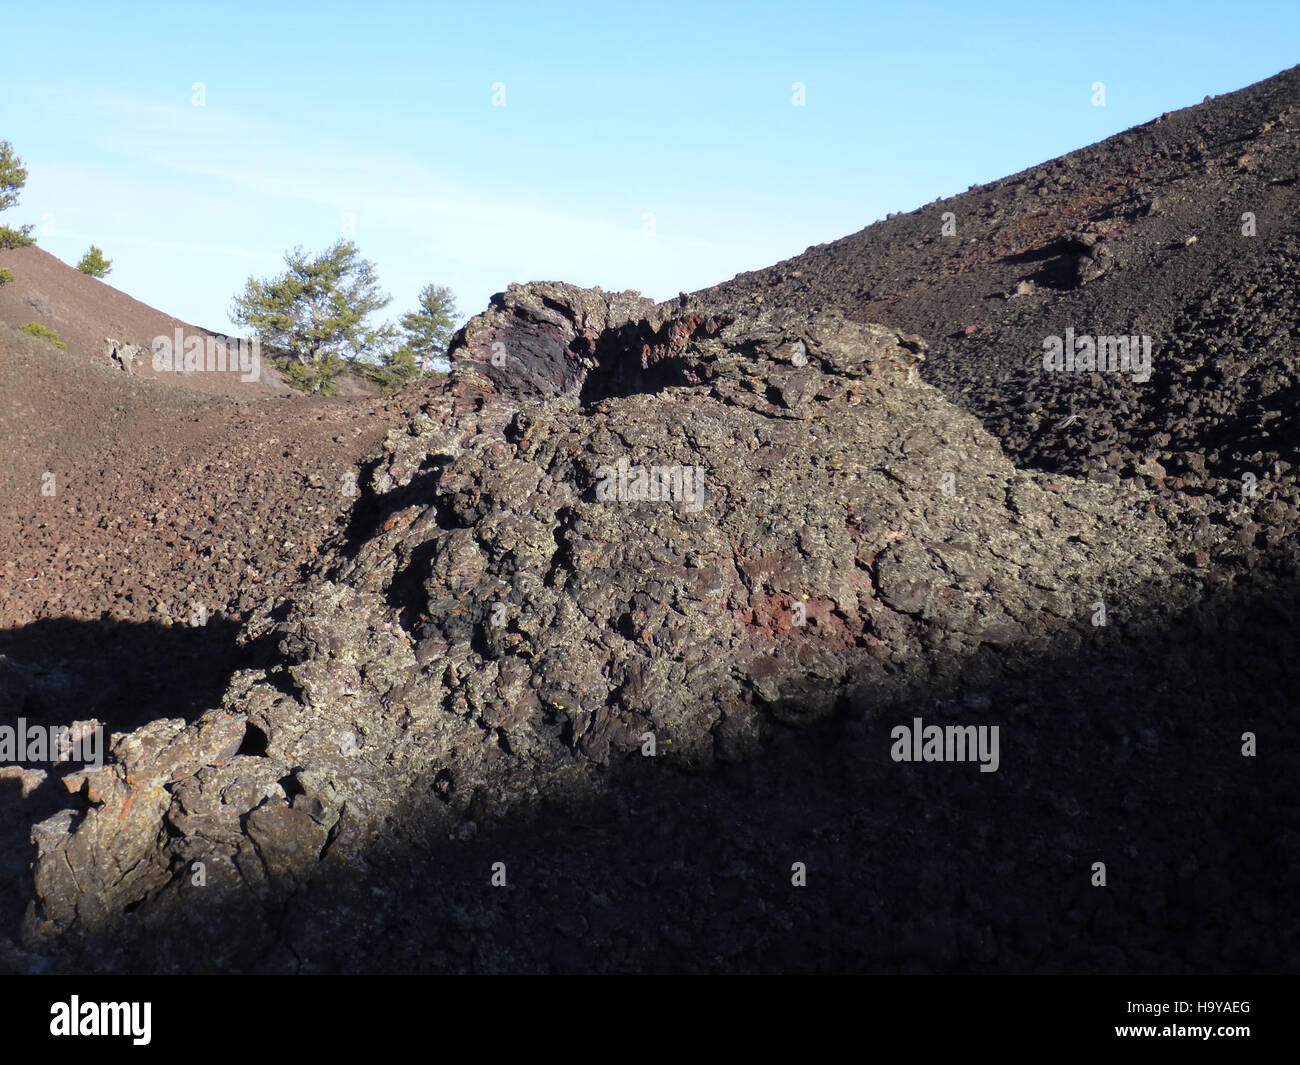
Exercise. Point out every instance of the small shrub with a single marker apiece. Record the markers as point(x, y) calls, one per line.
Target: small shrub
point(94, 263)
point(44, 332)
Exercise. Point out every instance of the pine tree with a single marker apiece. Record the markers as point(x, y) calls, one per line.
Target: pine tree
point(428, 330)
point(94, 263)
point(13, 175)
point(316, 312)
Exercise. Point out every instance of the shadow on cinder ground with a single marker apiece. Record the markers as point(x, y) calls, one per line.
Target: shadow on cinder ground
point(1125, 749)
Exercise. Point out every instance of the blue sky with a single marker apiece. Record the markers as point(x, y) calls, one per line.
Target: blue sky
point(653, 146)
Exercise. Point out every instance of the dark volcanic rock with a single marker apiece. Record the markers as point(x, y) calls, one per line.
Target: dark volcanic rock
point(541, 341)
point(1159, 232)
point(624, 622)
point(515, 612)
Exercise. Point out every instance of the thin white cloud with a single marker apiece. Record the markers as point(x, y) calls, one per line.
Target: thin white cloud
point(190, 177)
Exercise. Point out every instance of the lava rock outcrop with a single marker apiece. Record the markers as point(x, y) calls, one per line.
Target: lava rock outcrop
point(630, 533)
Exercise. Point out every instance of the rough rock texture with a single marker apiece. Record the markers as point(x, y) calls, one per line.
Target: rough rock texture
point(124, 355)
point(434, 753)
point(1185, 229)
point(139, 524)
point(493, 629)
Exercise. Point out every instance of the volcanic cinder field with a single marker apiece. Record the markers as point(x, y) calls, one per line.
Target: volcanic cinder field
point(923, 603)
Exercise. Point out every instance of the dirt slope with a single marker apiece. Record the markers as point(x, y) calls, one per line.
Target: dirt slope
point(87, 312)
point(1185, 229)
